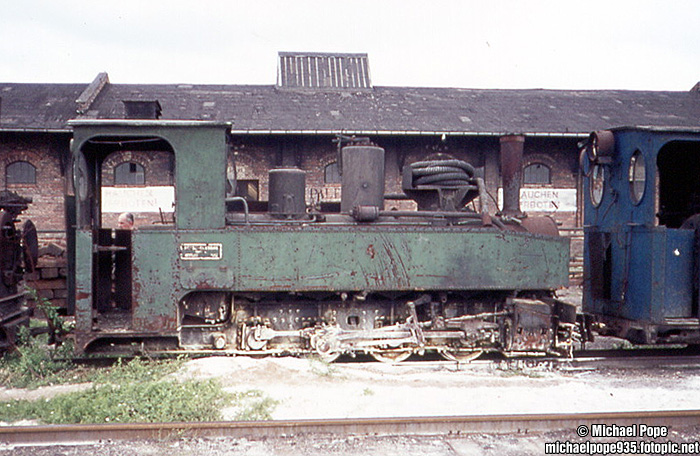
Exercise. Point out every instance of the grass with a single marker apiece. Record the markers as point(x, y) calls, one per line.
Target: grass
point(515, 368)
point(34, 363)
point(154, 401)
point(322, 368)
point(141, 390)
point(253, 405)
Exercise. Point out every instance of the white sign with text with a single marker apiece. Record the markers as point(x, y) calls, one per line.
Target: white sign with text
point(544, 199)
point(138, 199)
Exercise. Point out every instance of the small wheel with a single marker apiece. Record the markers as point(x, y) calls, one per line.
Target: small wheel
point(325, 349)
point(254, 343)
point(460, 356)
point(391, 356)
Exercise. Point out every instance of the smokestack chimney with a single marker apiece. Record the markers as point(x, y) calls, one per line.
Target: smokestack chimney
point(511, 173)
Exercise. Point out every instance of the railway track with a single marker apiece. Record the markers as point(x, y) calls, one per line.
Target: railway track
point(446, 425)
point(582, 360)
point(588, 359)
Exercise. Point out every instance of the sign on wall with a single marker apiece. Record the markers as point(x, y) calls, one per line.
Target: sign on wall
point(326, 194)
point(138, 199)
point(544, 199)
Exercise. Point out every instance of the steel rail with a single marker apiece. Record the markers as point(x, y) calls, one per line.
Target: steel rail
point(589, 358)
point(441, 425)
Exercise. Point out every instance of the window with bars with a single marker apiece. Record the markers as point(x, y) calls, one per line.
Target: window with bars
point(537, 173)
point(20, 172)
point(129, 173)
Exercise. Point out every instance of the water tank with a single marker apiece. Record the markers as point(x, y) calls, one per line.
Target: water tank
point(363, 177)
point(287, 190)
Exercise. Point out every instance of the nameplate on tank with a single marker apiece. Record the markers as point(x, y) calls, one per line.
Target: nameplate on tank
point(201, 251)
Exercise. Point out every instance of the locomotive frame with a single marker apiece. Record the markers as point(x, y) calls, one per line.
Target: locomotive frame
point(224, 279)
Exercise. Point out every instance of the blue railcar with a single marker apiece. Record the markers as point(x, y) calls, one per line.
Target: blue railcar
point(642, 233)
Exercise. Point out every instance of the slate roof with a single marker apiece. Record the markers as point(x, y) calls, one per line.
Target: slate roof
point(38, 106)
point(381, 110)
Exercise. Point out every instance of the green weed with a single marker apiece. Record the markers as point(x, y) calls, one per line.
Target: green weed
point(140, 391)
point(34, 363)
point(253, 405)
point(322, 368)
point(137, 370)
point(161, 401)
point(57, 326)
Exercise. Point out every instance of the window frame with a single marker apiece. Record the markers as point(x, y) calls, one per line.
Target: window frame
point(539, 182)
point(130, 173)
point(637, 177)
point(16, 180)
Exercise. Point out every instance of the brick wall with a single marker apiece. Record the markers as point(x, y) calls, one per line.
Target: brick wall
point(49, 278)
point(48, 154)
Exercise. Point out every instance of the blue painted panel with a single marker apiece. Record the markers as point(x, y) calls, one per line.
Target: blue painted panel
point(659, 275)
point(651, 272)
point(679, 274)
point(641, 268)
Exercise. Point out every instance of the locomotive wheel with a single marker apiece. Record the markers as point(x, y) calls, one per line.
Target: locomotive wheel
point(391, 356)
point(325, 349)
point(460, 356)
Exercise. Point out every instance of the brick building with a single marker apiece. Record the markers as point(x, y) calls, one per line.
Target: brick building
point(295, 123)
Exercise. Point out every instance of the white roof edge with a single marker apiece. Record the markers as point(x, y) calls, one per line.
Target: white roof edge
point(406, 133)
point(307, 132)
point(35, 130)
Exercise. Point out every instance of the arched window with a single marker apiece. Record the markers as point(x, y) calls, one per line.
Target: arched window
point(129, 173)
point(331, 174)
point(537, 173)
point(20, 172)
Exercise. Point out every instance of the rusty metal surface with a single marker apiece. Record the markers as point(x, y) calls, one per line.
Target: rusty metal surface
point(511, 172)
point(442, 425)
point(83, 281)
point(287, 189)
point(352, 259)
point(540, 225)
point(362, 178)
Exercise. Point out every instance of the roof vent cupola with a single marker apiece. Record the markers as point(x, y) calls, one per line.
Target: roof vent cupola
point(323, 71)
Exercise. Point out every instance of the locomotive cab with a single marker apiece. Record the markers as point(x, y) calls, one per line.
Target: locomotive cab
point(105, 291)
point(641, 256)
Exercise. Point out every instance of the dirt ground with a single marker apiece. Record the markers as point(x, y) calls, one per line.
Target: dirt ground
point(310, 389)
point(306, 388)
